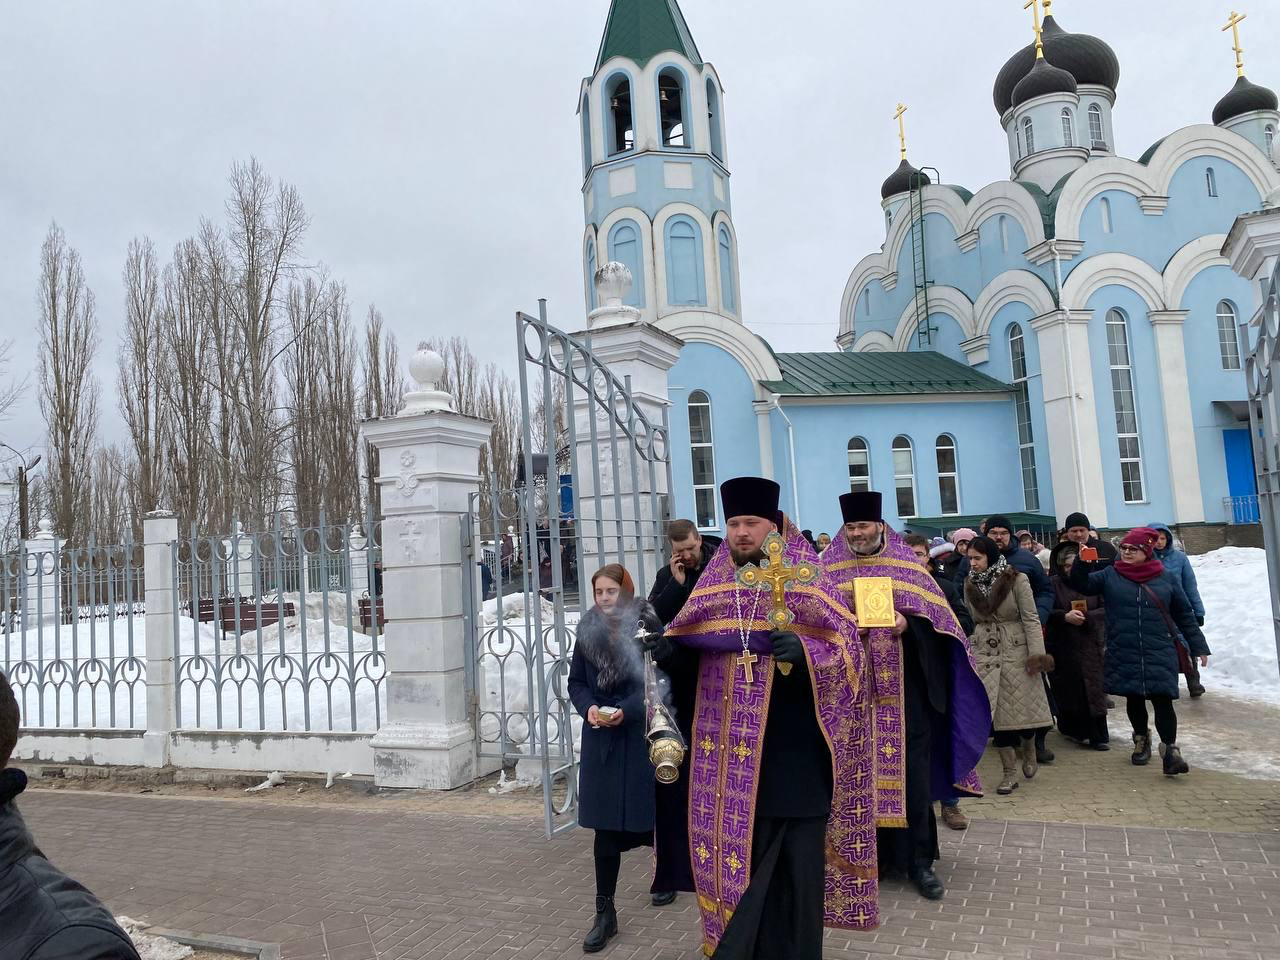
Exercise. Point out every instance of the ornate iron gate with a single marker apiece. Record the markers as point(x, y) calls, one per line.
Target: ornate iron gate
point(592, 482)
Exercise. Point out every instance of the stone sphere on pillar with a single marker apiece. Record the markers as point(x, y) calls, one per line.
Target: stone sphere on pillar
point(426, 368)
point(613, 282)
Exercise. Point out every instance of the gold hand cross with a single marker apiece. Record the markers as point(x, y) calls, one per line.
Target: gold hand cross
point(776, 577)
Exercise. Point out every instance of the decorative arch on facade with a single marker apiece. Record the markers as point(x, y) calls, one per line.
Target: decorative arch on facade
point(722, 225)
point(674, 101)
point(874, 341)
point(940, 200)
point(682, 246)
point(1012, 286)
point(1153, 178)
point(706, 246)
point(1119, 269)
point(590, 262)
point(946, 300)
point(752, 353)
point(1010, 199)
point(870, 267)
point(617, 109)
point(1183, 267)
point(621, 227)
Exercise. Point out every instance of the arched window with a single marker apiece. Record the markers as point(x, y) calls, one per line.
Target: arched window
point(703, 460)
point(713, 120)
point(624, 247)
point(685, 280)
point(1228, 337)
point(1028, 135)
point(1068, 128)
point(1120, 359)
point(1022, 415)
point(622, 131)
point(591, 274)
point(1004, 232)
point(1104, 208)
point(671, 108)
point(1210, 182)
point(904, 477)
point(1269, 136)
point(586, 135)
point(728, 294)
point(859, 465)
point(1097, 136)
point(948, 475)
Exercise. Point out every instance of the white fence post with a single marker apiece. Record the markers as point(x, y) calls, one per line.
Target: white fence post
point(159, 533)
point(429, 460)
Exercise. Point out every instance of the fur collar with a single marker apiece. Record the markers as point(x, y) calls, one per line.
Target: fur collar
point(985, 603)
point(608, 642)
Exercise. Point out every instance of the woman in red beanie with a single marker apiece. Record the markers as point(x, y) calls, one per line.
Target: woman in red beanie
point(1150, 625)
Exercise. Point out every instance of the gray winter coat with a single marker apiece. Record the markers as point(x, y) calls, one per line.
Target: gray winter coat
point(1007, 642)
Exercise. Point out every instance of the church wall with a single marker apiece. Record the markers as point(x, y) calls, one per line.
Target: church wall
point(946, 336)
point(733, 421)
point(986, 445)
point(645, 181)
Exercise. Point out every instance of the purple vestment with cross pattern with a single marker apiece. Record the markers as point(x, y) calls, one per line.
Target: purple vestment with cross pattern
point(968, 722)
point(728, 737)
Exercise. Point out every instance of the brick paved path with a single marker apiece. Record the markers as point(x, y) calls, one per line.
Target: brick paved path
point(351, 884)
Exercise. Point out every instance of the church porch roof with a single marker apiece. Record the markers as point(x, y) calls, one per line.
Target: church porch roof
point(840, 374)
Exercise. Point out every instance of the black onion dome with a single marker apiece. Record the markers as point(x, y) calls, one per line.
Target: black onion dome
point(1244, 97)
point(1088, 59)
point(1043, 78)
point(905, 178)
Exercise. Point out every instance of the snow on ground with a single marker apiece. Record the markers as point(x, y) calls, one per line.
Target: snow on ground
point(1238, 625)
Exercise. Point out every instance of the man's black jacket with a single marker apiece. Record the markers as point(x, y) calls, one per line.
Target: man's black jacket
point(668, 595)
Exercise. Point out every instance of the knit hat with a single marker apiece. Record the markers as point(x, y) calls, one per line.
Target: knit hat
point(1077, 519)
point(939, 547)
point(1142, 537)
point(964, 533)
point(1023, 533)
point(999, 520)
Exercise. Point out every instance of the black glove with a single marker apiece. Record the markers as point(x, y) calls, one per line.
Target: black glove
point(1200, 620)
point(657, 644)
point(787, 647)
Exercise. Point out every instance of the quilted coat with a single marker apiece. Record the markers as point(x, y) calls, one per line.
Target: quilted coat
point(1179, 566)
point(1008, 647)
point(1141, 658)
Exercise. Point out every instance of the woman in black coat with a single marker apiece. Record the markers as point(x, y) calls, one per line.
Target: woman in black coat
point(1075, 637)
point(616, 783)
point(1146, 612)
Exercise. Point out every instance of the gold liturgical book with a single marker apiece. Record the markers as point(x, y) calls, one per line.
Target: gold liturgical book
point(873, 600)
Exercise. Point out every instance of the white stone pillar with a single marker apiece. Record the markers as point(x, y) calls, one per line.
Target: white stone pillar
point(1071, 420)
point(429, 459)
point(1179, 428)
point(159, 533)
point(41, 584)
point(628, 347)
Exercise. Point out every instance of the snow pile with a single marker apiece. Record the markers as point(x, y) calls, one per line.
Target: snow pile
point(152, 947)
point(1238, 625)
point(513, 608)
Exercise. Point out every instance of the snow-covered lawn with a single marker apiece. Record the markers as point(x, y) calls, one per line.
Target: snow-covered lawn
point(1238, 626)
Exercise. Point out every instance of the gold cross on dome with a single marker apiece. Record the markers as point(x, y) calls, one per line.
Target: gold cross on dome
point(1233, 24)
point(902, 130)
point(1034, 7)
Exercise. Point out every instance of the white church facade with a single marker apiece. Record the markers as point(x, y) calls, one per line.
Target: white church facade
point(1065, 339)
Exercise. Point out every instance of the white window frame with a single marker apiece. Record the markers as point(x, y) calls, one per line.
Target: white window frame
point(1068, 128)
point(1022, 419)
point(865, 484)
point(1097, 132)
point(1123, 371)
point(953, 474)
point(709, 444)
point(1269, 138)
point(1228, 336)
point(1029, 135)
point(910, 476)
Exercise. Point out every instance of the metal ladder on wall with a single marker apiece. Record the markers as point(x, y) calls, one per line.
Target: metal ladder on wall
point(919, 263)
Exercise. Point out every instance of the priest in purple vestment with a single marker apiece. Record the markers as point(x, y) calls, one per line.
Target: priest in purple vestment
point(781, 830)
point(931, 714)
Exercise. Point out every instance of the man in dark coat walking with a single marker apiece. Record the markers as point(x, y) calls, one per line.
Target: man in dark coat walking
point(1078, 530)
point(44, 914)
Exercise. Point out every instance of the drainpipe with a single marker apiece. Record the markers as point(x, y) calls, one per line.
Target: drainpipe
point(1072, 396)
point(775, 399)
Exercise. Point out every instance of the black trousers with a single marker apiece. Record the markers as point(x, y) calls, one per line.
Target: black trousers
point(780, 915)
point(1166, 717)
point(1012, 738)
point(917, 845)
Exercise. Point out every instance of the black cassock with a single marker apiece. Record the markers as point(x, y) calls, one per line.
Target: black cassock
point(780, 915)
point(926, 686)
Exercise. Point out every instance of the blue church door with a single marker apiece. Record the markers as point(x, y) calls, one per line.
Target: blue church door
point(1241, 479)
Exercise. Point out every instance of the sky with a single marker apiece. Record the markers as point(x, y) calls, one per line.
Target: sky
point(435, 143)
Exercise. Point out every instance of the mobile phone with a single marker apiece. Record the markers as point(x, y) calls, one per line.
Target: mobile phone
point(1089, 554)
point(607, 712)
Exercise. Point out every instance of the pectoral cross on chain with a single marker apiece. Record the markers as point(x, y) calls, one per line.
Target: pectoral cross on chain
point(776, 576)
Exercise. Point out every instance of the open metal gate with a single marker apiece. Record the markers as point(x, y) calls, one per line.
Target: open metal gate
point(591, 487)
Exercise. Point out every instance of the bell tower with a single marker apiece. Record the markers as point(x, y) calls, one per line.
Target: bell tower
point(655, 168)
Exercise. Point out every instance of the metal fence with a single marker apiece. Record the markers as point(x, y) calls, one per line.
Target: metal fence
point(1241, 510)
point(74, 633)
point(280, 629)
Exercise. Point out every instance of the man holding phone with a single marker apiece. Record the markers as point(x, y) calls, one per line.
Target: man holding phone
point(1092, 550)
point(690, 553)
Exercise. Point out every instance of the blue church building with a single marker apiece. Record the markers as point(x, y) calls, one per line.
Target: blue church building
point(1067, 338)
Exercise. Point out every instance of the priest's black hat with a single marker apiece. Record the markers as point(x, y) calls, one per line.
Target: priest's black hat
point(862, 505)
point(750, 497)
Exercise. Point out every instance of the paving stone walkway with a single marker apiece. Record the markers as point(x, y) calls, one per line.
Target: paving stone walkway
point(352, 883)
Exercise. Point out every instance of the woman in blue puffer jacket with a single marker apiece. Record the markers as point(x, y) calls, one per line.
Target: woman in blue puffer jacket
point(1146, 612)
point(1179, 565)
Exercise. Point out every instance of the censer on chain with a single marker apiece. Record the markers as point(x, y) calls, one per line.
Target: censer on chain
point(666, 745)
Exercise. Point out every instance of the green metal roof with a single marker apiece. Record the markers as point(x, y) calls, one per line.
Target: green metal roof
point(839, 374)
point(642, 29)
point(1037, 523)
point(1150, 152)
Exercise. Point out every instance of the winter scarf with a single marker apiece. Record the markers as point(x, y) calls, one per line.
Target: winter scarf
point(985, 600)
point(985, 580)
point(1149, 568)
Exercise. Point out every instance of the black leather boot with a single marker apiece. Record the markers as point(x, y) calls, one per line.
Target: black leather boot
point(1043, 753)
point(605, 928)
point(1141, 749)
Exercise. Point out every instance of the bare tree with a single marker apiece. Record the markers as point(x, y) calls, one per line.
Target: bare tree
point(10, 387)
point(68, 390)
point(382, 390)
point(340, 442)
point(142, 366)
point(112, 480)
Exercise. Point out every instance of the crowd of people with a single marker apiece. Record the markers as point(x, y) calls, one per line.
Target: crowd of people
point(801, 788)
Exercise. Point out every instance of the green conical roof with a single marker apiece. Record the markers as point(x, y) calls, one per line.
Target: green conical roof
point(641, 29)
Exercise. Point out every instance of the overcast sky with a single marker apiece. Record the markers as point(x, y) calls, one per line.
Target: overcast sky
point(436, 147)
